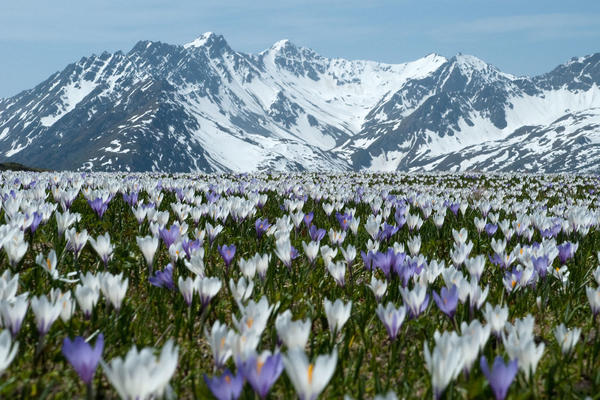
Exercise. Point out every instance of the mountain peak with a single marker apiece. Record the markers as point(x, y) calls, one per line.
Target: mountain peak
point(208, 39)
point(283, 46)
point(470, 62)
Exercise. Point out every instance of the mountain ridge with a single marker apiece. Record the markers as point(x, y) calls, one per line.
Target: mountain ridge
point(204, 106)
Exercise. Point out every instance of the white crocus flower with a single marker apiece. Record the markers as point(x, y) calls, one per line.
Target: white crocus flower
point(103, 247)
point(294, 334)
point(337, 314)
point(8, 350)
point(566, 338)
point(309, 379)
point(114, 287)
point(148, 246)
point(141, 375)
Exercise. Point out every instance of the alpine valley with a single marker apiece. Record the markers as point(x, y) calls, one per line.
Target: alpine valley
point(206, 107)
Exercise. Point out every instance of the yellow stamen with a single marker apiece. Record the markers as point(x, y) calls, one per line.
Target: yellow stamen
point(227, 379)
point(249, 323)
point(513, 283)
point(49, 264)
point(259, 365)
point(310, 373)
point(222, 343)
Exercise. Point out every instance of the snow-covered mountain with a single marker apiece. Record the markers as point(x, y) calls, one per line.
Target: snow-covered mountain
point(205, 107)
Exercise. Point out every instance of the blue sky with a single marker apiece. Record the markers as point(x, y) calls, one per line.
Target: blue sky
point(39, 37)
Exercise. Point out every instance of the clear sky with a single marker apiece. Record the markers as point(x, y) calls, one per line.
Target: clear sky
point(523, 37)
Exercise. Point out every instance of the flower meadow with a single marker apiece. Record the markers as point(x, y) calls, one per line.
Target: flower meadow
point(256, 286)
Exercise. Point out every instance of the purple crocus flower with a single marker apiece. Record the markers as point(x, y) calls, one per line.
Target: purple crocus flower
point(308, 219)
point(447, 300)
point(83, 357)
point(385, 261)
point(316, 234)
point(262, 374)
point(541, 265)
point(490, 229)
point(169, 236)
point(344, 220)
point(400, 215)
point(212, 197)
point(293, 253)
point(387, 231)
point(225, 387)
point(189, 246)
point(261, 226)
point(405, 267)
point(164, 278)
point(454, 208)
point(227, 252)
point(566, 251)
point(130, 198)
point(367, 259)
point(37, 219)
point(501, 375)
point(99, 206)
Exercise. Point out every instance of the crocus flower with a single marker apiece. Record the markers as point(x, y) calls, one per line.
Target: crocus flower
point(387, 231)
point(36, 220)
point(309, 379)
point(566, 338)
point(141, 375)
point(367, 259)
point(262, 372)
point(490, 229)
point(447, 300)
point(103, 247)
point(114, 288)
point(501, 375)
point(45, 312)
point(131, 199)
point(169, 236)
point(541, 265)
point(593, 296)
point(227, 252)
point(292, 333)
point(343, 220)
point(164, 278)
point(226, 386)
point(76, 240)
point(316, 234)
point(308, 219)
point(416, 300)
point(454, 208)
point(87, 298)
point(8, 350)
point(83, 357)
point(566, 251)
point(385, 261)
point(207, 289)
point(392, 318)
point(378, 287)
point(285, 251)
point(337, 314)
point(261, 226)
point(99, 206)
point(148, 246)
point(190, 246)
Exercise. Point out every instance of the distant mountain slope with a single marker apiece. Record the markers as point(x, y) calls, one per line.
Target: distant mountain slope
point(205, 107)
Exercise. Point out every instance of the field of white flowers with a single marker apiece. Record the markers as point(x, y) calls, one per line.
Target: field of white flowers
point(143, 286)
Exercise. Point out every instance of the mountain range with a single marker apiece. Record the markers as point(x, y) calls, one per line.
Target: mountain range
point(205, 107)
